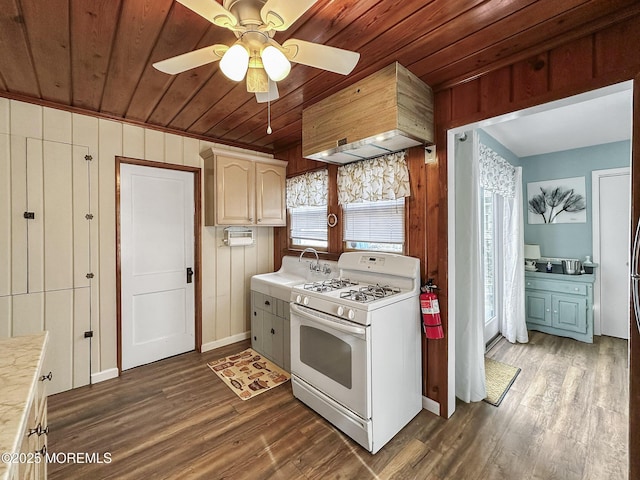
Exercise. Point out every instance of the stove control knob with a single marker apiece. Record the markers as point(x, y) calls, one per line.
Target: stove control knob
point(298, 299)
point(341, 310)
point(305, 301)
point(351, 314)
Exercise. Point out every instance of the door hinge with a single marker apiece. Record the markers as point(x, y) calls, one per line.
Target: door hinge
point(89, 216)
point(88, 158)
point(29, 215)
point(88, 334)
point(89, 275)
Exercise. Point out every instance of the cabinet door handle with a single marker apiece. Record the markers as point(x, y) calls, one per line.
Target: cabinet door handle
point(37, 430)
point(42, 451)
point(267, 303)
point(48, 376)
point(273, 332)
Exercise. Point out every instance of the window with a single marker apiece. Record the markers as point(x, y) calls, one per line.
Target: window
point(489, 255)
point(377, 226)
point(307, 207)
point(308, 226)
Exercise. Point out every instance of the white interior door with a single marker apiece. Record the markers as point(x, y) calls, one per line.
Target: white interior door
point(614, 215)
point(157, 247)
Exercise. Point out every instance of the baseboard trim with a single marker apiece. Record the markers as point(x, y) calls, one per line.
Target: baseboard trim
point(104, 375)
point(224, 341)
point(431, 405)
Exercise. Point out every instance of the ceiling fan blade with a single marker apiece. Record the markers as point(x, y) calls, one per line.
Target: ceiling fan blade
point(271, 95)
point(212, 11)
point(325, 57)
point(281, 14)
point(189, 60)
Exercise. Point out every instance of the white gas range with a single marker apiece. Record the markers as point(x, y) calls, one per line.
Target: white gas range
point(355, 346)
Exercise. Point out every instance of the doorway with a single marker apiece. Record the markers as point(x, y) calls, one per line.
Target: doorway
point(158, 261)
point(492, 267)
point(457, 268)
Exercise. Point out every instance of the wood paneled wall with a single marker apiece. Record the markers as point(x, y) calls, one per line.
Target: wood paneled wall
point(604, 58)
point(226, 272)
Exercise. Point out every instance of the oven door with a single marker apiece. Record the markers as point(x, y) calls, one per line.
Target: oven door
point(332, 355)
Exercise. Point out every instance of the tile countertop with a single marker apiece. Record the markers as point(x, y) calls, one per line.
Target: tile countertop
point(20, 359)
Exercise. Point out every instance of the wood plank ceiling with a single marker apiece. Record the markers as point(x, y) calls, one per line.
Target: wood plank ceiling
point(96, 55)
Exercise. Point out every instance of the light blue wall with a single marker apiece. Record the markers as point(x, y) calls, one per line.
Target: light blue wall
point(572, 240)
point(497, 147)
point(563, 240)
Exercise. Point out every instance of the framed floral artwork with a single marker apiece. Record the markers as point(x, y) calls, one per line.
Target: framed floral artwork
point(557, 201)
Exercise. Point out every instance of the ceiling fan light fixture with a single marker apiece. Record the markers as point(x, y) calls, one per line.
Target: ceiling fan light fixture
point(235, 62)
point(275, 63)
point(257, 79)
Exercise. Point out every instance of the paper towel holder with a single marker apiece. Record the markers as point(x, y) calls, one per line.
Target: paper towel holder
point(238, 237)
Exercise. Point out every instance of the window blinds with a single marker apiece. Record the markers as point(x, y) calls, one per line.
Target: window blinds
point(381, 221)
point(309, 223)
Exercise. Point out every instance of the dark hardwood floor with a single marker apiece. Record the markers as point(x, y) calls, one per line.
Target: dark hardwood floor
point(564, 418)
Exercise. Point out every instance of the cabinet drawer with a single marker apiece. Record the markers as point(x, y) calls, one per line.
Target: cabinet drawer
point(283, 309)
point(556, 286)
point(263, 302)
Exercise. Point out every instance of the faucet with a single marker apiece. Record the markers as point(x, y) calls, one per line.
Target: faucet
point(312, 250)
point(316, 268)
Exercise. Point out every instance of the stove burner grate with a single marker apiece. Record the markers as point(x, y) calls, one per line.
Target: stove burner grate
point(329, 285)
point(369, 293)
point(380, 291)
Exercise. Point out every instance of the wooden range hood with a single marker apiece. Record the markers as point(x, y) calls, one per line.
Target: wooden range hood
point(388, 111)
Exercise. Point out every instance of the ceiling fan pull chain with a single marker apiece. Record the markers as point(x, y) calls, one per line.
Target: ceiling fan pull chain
point(269, 107)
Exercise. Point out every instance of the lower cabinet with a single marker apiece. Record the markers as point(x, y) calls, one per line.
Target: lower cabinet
point(24, 416)
point(560, 307)
point(270, 328)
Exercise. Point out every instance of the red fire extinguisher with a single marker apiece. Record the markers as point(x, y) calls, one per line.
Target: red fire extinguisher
point(431, 322)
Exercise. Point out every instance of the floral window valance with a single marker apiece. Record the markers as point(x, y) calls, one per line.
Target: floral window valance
point(382, 178)
point(308, 190)
point(496, 174)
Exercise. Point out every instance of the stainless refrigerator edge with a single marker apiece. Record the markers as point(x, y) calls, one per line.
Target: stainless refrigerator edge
point(635, 275)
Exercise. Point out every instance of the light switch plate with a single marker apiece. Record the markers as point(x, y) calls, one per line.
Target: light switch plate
point(430, 154)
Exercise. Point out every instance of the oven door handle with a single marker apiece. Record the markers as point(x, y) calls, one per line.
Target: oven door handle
point(339, 326)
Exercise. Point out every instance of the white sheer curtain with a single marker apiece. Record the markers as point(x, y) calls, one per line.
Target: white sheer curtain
point(469, 298)
point(513, 325)
point(500, 177)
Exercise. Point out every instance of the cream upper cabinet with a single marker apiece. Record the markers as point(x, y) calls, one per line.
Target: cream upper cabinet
point(235, 194)
point(270, 194)
point(242, 189)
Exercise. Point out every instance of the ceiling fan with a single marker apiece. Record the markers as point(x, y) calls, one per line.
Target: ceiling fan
point(256, 54)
